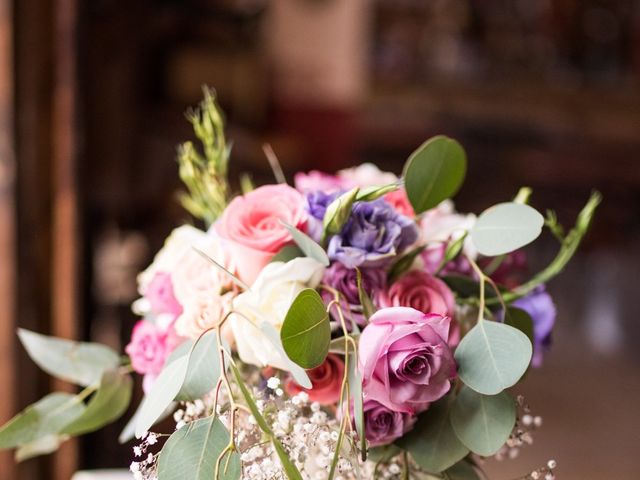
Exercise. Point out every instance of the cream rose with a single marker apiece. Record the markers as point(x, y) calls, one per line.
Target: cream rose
point(269, 299)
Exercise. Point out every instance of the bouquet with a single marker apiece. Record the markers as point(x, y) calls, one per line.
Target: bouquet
point(351, 326)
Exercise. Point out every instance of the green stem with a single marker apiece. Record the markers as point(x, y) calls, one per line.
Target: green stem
point(567, 250)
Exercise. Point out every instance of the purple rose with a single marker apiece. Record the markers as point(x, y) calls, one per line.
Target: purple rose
point(316, 204)
point(383, 425)
point(539, 305)
point(345, 281)
point(373, 235)
point(404, 358)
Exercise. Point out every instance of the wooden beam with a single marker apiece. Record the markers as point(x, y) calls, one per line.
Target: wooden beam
point(65, 242)
point(8, 471)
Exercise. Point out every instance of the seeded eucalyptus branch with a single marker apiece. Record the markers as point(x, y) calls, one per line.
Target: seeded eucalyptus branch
point(204, 171)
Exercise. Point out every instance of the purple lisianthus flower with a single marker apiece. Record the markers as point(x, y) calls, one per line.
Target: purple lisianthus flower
point(345, 281)
point(373, 235)
point(539, 305)
point(316, 205)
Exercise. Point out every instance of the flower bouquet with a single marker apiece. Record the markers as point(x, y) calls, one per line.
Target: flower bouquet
point(352, 326)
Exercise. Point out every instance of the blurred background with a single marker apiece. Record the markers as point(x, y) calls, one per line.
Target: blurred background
point(544, 93)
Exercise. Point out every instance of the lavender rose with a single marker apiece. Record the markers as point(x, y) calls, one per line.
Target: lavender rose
point(539, 305)
point(345, 281)
point(373, 235)
point(383, 425)
point(404, 358)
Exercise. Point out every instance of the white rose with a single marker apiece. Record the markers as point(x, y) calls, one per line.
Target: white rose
point(191, 273)
point(269, 299)
point(367, 175)
point(443, 223)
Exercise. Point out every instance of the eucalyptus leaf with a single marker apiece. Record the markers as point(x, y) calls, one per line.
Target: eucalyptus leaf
point(162, 393)
point(41, 446)
point(203, 369)
point(310, 248)
point(434, 172)
point(483, 422)
point(463, 470)
point(506, 227)
point(432, 442)
point(338, 211)
point(306, 331)
point(47, 416)
point(520, 319)
point(76, 362)
point(297, 372)
point(286, 253)
point(465, 287)
point(492, 356)
point(368, 194)
point(384, 453)
point(109, 403)
point(193, 450)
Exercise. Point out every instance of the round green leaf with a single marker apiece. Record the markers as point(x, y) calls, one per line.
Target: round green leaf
point(506, 227)
point(463, 470)
point(306, 332)
point(482, 422)
point(286, 253)
point(432, 442)
point(192, 451)
point(492, 356)
point(434, 172)
point(76, 362)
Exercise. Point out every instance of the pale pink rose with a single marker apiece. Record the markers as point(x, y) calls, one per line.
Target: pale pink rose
point(405, 360)
point(417, 289)
point(315, 181)
point(326, 380)
point(159, 292)
point(251, 230)
point(443, 224)
point(150, 346)
point(203, 312)
point(399, 200)
point(367, 175)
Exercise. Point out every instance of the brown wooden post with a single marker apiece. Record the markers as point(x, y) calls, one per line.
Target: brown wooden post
point(65, 244)
point(8, 470)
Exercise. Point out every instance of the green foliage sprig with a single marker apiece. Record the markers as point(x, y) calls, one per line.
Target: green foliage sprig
point(204, 172)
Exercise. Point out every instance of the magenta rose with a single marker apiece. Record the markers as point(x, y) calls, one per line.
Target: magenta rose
point(417, 289)
point(383, 425)
point(404, 358)
point(251, 230)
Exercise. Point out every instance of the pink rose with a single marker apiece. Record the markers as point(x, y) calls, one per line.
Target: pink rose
point(326, 380)
point(315, 181)
point(404, 358)
point(399, 200)
point(150, 346)
point(250, 227)
point(383, 425)
point(159, 292)
point(417, 289)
